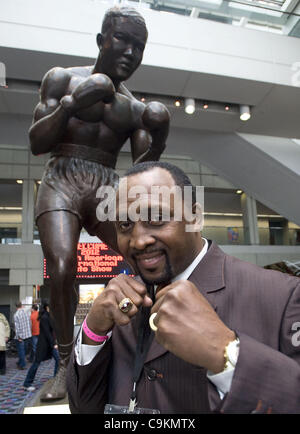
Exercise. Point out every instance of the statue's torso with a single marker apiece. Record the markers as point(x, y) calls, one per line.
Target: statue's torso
point(104, 126)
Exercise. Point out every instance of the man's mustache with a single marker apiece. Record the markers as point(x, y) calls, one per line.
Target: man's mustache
point(147, 251)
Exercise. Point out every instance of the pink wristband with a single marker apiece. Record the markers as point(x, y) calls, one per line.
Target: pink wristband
point(91, 335)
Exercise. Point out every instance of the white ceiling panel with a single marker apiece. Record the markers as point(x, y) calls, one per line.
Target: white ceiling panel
point(226, 89)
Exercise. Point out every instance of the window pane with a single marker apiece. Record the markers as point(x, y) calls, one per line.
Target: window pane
point(10, 211)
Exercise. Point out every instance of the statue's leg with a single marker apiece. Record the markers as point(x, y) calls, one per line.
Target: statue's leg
point(59, 235)
point(106, 232)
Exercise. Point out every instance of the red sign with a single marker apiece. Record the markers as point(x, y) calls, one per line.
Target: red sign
point(96, 260)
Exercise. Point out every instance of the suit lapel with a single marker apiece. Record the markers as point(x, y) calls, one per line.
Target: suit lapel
point(156, 350)
point(209, 275)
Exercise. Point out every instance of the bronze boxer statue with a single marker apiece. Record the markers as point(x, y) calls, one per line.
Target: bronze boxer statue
point(84, 117)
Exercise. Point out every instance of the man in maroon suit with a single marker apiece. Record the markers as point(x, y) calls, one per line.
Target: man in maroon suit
point(224, 329)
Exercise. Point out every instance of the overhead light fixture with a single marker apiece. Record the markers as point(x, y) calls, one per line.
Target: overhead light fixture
point(19, 181)
point(255, 8)
point(245, 114)
point(239, 191)
point(205, 106)
point(227, 214)
point(227, 108)
point(177, 103)
point(189, 106)
point(11, 208)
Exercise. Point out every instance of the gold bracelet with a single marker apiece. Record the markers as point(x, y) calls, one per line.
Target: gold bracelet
point(227, 360)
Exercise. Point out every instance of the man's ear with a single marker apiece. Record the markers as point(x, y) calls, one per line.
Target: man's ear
point(199, 216)
point(196, 221)
point(99, 40)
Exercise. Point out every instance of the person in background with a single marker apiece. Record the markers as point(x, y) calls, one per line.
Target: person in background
point(4, 336)
point(23, 333)
point(46, 347)
point(35, 330)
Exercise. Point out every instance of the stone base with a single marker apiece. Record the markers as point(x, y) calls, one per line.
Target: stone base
point(36, 406)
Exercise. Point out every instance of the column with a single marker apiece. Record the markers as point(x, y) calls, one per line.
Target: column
point(24, 291)
point(28, 211)
point(249, 211)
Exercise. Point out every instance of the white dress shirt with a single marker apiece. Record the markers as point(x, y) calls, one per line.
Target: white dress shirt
point(86, 353)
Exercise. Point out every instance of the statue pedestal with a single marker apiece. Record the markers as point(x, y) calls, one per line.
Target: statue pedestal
point(36, 406)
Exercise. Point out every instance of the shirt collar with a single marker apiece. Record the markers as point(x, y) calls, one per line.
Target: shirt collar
point(188, 271)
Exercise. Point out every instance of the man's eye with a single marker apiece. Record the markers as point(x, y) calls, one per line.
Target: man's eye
point(119, 36)
point(156, 220)
point(124, 226)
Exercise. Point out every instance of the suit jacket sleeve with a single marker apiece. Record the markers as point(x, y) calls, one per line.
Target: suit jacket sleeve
point(88, 385)
point(267, 380)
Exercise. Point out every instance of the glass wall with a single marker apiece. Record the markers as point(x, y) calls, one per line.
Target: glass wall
point(10, 211)
point(276, 230)
point(223, 221)
point(223, 218)
point(277, 16)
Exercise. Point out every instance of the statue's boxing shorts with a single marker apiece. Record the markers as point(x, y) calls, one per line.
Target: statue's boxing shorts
point(70, 184)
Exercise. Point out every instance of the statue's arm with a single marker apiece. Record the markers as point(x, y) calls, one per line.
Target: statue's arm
point(140, 141)
point(50, 118)
point(56, 107)
point(149, 142)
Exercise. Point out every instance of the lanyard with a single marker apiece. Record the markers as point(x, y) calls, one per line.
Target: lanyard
point(143, 343)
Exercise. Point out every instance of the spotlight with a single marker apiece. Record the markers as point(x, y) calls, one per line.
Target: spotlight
point(245, 114)
point(189, 106)
point(239, 191)
point(177, 103)
point(143, 99)
point(205, 106)
point(227, 108)
point(19, 181)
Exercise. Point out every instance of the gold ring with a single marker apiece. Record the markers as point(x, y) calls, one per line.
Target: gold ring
point(125, 305)
point(151, 322)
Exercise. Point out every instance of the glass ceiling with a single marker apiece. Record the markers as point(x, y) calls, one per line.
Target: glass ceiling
point(278, 16)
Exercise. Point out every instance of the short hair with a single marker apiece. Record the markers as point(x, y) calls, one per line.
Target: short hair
point(35, 307)
point(117, 12)
point(18, 304)
point(178, 175)
point(43, 309)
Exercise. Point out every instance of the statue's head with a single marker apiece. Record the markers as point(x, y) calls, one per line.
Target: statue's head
point(122, 12)
point(121, 42)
